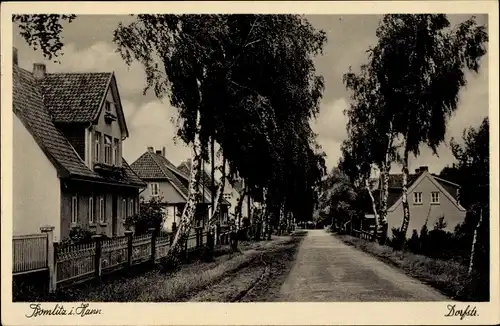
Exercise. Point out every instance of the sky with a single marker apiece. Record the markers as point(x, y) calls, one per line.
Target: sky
point(89, 48)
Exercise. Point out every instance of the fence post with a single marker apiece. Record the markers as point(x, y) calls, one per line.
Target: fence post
point(153, 245)
point(51, 257)
point(129, 234)
point(97, 257)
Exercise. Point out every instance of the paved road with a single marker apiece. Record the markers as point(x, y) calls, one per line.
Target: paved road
point(328, 270)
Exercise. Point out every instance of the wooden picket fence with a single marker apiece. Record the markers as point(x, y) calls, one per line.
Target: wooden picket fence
point(72, 264)
point(363, 234)
point(29, 253)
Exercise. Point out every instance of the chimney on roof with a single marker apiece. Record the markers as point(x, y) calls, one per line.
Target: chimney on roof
point(423, 168)
point(163, 152)
point(417, 171)
point(14, 56)
point(39, 70)
point(150, 149)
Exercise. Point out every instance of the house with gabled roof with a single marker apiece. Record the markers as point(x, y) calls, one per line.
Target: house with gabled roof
point(68, 169)
point(429, 197)
point(170, 185)
point(231, 192)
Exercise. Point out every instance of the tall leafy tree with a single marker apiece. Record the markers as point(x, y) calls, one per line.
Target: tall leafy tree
point(43, 32)
point(371, 137)
point(422, 64)
point(418, 68)
point(472, 154)
point(246, 76)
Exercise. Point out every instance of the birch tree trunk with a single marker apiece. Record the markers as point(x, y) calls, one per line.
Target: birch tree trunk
point(219, 196)
point(384, 175)
point(382, 225)
point(474, 241)
point(406, 207)
point(188, 214)
point(239, 206)
point(212, 166)
point(374, 205)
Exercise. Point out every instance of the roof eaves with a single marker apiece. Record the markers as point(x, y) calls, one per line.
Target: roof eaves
point(103, 98)
point(113, 78)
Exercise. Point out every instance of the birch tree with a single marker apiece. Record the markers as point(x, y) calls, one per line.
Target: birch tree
point(415, 72)
point(421, 64)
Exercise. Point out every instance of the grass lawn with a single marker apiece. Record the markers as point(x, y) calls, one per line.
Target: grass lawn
point(449, 277)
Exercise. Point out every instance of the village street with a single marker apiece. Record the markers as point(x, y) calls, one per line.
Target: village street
point(326, 269)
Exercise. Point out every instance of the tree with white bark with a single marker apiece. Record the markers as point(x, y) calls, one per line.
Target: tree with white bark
point(418, 68)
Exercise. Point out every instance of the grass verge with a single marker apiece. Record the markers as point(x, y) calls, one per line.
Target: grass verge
point(448, 277)
point(260, 280)
point(154, 286)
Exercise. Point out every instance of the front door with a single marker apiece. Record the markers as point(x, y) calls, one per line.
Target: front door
point(114, 218)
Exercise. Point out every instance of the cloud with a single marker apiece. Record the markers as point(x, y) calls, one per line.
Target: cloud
point(98, 57)
point(330, 126)
point(89, 48)
point(151, 126)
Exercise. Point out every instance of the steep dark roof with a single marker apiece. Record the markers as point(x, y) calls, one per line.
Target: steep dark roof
point(238, 185)
point(185, 168)
point(75, 97)
point(29, 106)
point(152, 166)
point(396, 180)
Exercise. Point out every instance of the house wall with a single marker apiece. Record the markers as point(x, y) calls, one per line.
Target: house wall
point(419, 212)
point(85, 190)
point(232, 199)
point(113, 129)
point(168, 193)
point(172, 213)
point(36, 191)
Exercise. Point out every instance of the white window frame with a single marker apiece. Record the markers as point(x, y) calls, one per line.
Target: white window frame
point(437, 201)
point(102, 210)
point(116, 151)
point(91, 210)
point(124, 208)
point(131, 207)
point(113, 153)
point(417, 198)
point(108, 151)
point(153, 185)
point(97, 148)
point(74, 209)
point(107, 106)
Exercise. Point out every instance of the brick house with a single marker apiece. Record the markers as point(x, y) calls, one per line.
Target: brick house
point(68, 170)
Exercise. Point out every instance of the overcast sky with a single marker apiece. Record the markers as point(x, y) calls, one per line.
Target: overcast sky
point(89, 48)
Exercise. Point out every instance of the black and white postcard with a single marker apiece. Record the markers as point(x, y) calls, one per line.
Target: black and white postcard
point(250, 163)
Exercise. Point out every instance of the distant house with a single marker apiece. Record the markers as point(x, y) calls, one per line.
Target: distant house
point(429, 197)
point(68, 169)
point(170, 185)
point(231, 192)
